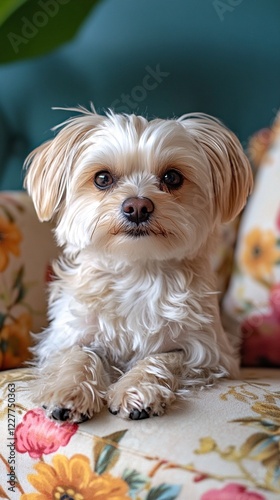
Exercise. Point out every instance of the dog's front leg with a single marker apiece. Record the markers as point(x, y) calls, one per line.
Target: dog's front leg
point(71, 384)
point(148, 388)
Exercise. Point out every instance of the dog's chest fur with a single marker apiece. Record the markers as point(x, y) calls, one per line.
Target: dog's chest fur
point(139, 309)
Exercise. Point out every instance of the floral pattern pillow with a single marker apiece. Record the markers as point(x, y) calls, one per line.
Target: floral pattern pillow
point(183, 455)
point(26, 247)
point(253, 297)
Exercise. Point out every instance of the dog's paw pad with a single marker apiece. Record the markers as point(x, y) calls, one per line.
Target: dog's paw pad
point(61, 414)
point(139, 414)
point(136, 414)
point(114, 412)
point(83, 418)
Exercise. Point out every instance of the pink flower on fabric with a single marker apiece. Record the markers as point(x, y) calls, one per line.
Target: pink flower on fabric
point(39, 435)
point(274, 300)
point(261, 334)
point(278, 220)
point(232, 492)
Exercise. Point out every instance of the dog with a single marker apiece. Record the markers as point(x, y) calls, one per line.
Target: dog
point(133, 309)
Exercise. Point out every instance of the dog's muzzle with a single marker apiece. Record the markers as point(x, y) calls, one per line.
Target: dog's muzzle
point(137, 210)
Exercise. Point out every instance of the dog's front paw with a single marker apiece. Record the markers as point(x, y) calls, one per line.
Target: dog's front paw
point(71, 385)
point(76, 406)
point(72, 404)
point(138, 401)
point(66, 402)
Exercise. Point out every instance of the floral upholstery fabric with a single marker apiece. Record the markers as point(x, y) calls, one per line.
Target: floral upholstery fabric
point(222, 444)
point(253, 297)
point(26, 248)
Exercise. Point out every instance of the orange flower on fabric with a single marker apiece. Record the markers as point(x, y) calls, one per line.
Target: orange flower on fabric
point(260, 253)
point(73, 479)
point(10, 238)
point(15, 340)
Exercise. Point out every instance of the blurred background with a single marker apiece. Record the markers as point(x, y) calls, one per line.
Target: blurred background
point(153, 57)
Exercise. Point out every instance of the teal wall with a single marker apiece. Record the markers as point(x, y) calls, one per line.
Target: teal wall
point(156, 57)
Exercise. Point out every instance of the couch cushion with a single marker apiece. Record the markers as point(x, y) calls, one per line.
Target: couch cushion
point(223, 443)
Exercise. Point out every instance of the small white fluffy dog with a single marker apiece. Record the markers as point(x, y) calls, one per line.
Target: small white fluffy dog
point(134, 317)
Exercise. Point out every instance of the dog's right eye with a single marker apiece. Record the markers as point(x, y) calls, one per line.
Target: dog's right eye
point(103, 180)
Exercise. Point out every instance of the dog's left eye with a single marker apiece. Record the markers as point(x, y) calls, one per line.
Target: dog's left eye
point(172, 179)
point(103, 180)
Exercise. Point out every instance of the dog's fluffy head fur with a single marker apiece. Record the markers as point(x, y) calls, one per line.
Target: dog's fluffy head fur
point(193, 170)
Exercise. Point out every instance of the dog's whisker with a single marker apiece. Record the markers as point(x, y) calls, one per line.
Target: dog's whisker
point(115, 229)
point(95, 227)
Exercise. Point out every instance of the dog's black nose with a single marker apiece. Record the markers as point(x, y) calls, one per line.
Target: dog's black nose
point(137, 209)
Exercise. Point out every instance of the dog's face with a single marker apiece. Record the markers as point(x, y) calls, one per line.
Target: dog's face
point(135, 189)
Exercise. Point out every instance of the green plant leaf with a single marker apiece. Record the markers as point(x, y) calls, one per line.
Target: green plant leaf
point(164, 492)
point(7, 7)
point(135, 480)
point(35, 27)
point(106, 454)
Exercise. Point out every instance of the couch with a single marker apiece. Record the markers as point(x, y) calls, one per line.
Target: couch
point(223, 442)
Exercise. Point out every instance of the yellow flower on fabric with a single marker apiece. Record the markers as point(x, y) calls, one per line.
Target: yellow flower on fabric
point(10, 238)
point(73, 479)
point(269, 412)
point(260, 253)
point(207, 444)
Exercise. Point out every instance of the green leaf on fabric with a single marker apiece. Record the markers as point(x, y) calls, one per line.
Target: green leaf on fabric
point(135, 480)
point(35, 27)
point(2, 320)
point(18, 278)
point(21, 294)
point(164, 492)
point(105, 454)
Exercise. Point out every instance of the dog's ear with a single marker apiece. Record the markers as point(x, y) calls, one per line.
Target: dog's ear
point(50, 165)
point(232, 178)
